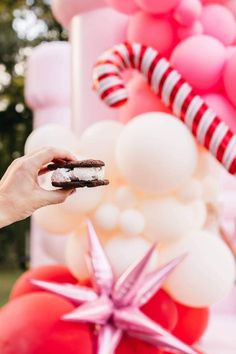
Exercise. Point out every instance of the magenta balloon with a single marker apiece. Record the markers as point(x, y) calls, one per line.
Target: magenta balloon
point(200, 59)
point(125, 6)
point(48, 80)
point(65, 10)
point(157, 6)
point(230, 78)
point(152, 31)
point(219, 22)
point(223, 108)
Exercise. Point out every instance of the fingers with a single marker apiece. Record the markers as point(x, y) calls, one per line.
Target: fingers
point(57, 196)
point(44, 156)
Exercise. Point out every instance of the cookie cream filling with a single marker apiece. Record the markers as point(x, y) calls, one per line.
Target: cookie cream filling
point(82, 174)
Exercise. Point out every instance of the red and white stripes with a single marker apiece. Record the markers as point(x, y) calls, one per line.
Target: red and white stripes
point(168, 84)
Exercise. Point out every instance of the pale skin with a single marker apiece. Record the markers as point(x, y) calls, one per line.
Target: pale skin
point(20, 193)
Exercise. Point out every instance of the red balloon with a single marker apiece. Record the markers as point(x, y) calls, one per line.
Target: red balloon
point(162, 309)
point(26, 322)
point(56, 273)
point(192, 323)
point(129, 345)
point(68, 338)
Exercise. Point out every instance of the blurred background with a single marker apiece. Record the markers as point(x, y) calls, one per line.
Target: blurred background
point(23, 25)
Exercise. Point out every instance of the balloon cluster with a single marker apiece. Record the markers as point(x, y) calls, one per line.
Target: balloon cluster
point(164, 187)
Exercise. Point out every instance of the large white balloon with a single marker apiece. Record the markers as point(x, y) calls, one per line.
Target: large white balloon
point(99, 142)
point(167, 219)
point(54, 246)
point(83, 200)
point(156, 153)
point(123, 252)
point(54, 219)
point(75, 253)
point(51, 135)
point(206, 275)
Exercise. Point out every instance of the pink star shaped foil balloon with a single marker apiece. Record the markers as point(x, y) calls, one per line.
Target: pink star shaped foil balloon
point(113, 305)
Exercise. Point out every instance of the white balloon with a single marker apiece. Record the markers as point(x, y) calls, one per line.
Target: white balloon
point(54, 246)
point(125, 197)
point(207, 165)
point(107, 216)
point(123, 252)
point(168, 219)
point(190, 191)
point(132, 222)
point(83, 200)
point(55, 220)
point(99, 142)
point(206, 275)
point(76, 250)
point(156, 153)
point(51, 135)
point(211, 189)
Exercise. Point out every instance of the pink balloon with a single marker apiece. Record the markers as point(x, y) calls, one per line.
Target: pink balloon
point(230, 78)
point(141, 100)
point(188, 11)
point(125, 6)
point(223, 108)
point(64, 10)
point(200, 59)
point(157, 6)
point(195, 29)
point(48, 80)
point(152, 31)
point(231, 5)
point(219, 22)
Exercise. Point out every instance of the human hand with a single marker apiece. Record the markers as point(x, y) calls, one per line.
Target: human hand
point(20, 193)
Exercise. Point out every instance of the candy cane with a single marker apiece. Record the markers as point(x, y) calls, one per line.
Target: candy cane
point(173, 90)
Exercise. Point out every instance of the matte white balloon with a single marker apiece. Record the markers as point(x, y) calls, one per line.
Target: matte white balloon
point(51, 135)
point(206, 275)
point(99, 142)
point(53, 219)
point(75, 253)
point(54, 246)
point(156, 153)
point(168, 219)
point(107, 216)
point(125, 197)
point(132, 222)
point(211, 189)
point(190, 191)
point(83, 200)
point(123, 252)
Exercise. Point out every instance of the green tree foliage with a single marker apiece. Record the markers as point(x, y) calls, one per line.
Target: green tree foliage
point(23, 25)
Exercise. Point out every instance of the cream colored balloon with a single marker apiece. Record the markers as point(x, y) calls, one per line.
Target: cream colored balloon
point(53, 135)
point(75, 252)
point(123, 252)
point(156, 153)
point(206, 275)
point(54, 219)
point(167, 219)
point(99, 142)
point(54, 246)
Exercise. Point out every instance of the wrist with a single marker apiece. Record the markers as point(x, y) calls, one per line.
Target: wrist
point(5, 218)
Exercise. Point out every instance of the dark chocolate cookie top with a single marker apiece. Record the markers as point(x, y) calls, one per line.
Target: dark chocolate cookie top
point(74, 164)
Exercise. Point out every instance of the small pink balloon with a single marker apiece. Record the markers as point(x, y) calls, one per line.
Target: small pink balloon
point(125, 6)
point(200, 59)
point(219, 22)
point(230, 51)
point(157, 6)
point(231, 5)
point(193, 30)
point(223, 108)
point(141, 100)
point(188, 11)
point(151, 31)
point(230, 78)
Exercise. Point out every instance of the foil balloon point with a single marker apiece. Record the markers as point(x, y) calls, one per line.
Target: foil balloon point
point(114, 304)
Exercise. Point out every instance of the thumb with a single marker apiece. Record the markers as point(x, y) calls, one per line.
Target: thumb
point(57, 196)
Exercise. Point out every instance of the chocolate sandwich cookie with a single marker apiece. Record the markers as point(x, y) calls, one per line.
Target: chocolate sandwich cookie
point(78, 174)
